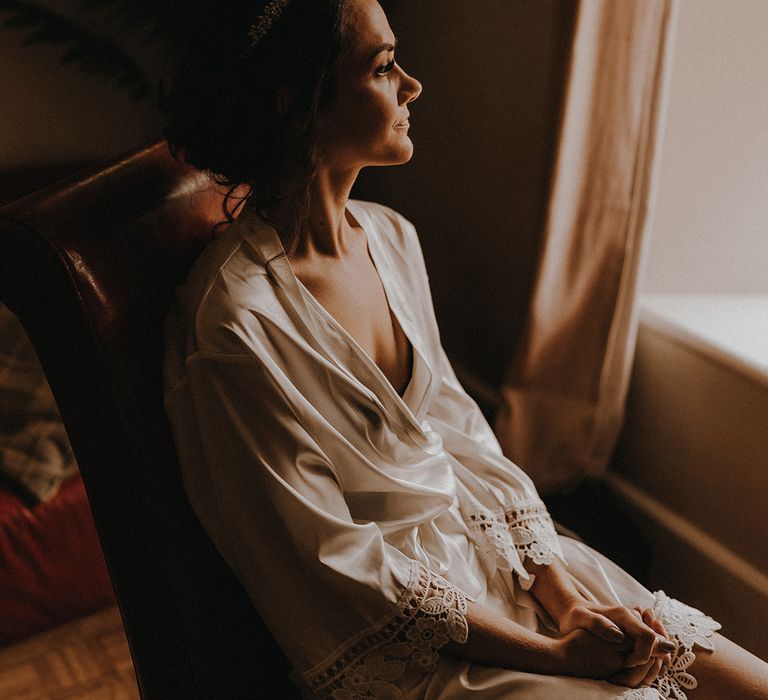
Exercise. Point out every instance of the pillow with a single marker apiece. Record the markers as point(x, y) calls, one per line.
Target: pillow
point(34, 450)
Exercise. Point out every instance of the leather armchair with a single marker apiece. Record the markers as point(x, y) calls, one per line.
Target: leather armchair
point(89, 266)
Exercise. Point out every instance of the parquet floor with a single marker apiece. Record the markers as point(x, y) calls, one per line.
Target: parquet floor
point(86, 659)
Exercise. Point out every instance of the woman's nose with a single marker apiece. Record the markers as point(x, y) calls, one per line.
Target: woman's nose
point(410, 88)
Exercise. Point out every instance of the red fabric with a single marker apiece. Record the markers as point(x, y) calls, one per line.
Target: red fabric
point(51, 566)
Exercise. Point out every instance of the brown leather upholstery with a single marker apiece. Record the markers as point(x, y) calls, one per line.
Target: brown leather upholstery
point(89, 266)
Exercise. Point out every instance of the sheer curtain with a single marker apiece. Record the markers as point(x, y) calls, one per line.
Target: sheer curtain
point(563, 396)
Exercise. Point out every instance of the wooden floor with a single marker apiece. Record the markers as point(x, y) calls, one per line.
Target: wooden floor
point(84, 660)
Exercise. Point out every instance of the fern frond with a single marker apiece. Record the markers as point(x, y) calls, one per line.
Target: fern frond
point(93, 53)
point(167, 22)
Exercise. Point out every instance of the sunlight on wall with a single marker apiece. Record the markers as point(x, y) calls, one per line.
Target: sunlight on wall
point(710, 228)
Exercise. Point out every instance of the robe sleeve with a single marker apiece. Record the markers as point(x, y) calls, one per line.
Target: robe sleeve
point(355, 616)
point(499, 502)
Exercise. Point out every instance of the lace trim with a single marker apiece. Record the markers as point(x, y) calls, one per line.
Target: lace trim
point(524, 529)
point(429, 614)
point(687, 627)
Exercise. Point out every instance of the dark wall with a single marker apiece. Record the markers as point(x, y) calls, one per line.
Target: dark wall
point(484, 131)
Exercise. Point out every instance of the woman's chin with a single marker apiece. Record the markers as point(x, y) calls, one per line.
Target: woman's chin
point(403, 153)
point(396, 153)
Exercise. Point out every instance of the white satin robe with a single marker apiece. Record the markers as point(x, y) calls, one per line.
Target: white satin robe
point(358, 521)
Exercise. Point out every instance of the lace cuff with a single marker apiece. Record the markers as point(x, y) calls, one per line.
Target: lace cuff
point(378, 663)
point(517, 531)
point(687, 627)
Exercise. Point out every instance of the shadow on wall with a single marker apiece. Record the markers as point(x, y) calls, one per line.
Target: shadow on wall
point(484, 131)
point(56, 119)
point(53, 114)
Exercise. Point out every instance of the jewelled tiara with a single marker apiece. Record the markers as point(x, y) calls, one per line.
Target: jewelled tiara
point(265, 20)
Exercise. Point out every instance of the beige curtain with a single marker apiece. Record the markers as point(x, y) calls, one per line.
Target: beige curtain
point(563, 397)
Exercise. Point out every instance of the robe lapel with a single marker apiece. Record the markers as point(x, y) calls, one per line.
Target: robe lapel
point(424, 384)
point(348, 357)
point(265, 242)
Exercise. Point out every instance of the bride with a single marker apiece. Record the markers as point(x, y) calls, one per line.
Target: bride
point(327, 447)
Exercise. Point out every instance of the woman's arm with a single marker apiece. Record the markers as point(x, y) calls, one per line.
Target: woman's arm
point(554, 589)
point(498, 641)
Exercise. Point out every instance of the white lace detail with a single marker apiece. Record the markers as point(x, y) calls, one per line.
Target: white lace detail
point(687, 627)
point(429, 614)
point(524, 528)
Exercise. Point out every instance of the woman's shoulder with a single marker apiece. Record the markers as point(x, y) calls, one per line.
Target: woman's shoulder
point(226, 289)
point(395, 233)
point(384, 221)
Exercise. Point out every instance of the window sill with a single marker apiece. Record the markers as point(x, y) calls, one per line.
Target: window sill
point(728, 329)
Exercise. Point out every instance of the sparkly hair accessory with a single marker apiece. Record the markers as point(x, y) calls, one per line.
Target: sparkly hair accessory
point(266, 19)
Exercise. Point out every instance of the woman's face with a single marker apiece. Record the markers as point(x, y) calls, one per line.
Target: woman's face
point(367, 122)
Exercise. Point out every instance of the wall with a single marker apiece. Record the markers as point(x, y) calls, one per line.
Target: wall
point(710, 229)
point(690, 467)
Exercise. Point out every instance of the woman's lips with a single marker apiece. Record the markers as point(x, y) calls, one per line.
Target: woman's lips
point(403, 125)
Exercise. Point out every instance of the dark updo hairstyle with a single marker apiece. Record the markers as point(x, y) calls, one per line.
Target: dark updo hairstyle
point(222, 109)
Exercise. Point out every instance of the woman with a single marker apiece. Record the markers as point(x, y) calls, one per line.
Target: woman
point(327, 447)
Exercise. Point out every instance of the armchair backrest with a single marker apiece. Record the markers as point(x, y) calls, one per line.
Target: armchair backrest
point(89, 266)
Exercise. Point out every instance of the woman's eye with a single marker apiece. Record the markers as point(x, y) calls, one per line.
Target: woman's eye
point(383, 69)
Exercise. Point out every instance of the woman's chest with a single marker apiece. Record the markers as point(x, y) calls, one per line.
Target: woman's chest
point(353, 294)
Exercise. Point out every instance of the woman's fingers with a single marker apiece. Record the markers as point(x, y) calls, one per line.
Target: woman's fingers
point(644, 639)
point(653, 671)
point(585, 654)
point(645, 674)
point(666, 660)
point(653, 622)
point(604, 628)
point(657, 626)
point(636, 632)
point(633, 677)
point(650, 641)
point(662, 646)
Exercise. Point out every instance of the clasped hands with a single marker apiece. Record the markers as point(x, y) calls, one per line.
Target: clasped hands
point(625, 646)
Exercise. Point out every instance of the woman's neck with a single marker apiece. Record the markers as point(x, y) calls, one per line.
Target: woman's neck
point(326, 232)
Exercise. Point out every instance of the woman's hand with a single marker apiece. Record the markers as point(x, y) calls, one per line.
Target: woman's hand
point(636, 634)
point(587, 655)
point(581, 653)
point(654, 667)
point(640, 637)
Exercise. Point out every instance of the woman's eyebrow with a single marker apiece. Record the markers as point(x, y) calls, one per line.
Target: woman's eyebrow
point(383, 47)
